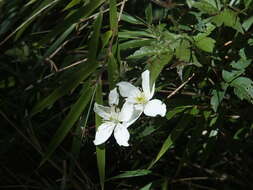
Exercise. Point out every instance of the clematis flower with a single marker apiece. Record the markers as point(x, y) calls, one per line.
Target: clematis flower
point(140, 100)
point(115, 121)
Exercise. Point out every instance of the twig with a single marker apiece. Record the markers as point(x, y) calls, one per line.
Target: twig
point(59, 70)
point(121, 9)
point(181, 86)
point(58, 49)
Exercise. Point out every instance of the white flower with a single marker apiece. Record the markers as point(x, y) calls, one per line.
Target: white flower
point(140, 100)
point(114, 119)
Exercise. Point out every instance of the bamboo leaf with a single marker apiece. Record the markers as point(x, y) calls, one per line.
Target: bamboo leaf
point(100, 150)
point(113, 16)
point(166, 145)
point(134, 173)
point(68, 122)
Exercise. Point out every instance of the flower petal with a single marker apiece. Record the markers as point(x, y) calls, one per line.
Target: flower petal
point(103, 133)
point(126, 89)
point(126, 111)
point(121, 135)
point(113, 97)
point(135, 115)
point(155, 107)
point(146, 84)
point(102, 111)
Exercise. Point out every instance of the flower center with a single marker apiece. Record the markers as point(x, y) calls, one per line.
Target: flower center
point(141, 99)
point(114, 115)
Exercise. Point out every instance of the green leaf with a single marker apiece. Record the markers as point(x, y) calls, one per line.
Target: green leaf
point(134, 34)
point(130, 44)
point(69, 85)
point(183, 51)
point(230, 76)
point(243, 88)
point(217, 97)
point(166, 145)
point(204, 43)
point(106, 38)
point(130, 19)
point(81, 13)
point(206, 6)
point(113, 72)
point(100, 150)
point(44, 5)
point(157, 64)
point(170, 114)
point(113, 16)
point(147, 187)
point(247, 23)
point(148, 13)
point(71, 4)
point(68, 122)
point(59, 41)
point(128, 174)
point(228, 18)
point(79, 76)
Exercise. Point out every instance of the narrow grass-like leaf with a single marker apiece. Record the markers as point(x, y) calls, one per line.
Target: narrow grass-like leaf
point(79, 76)
point(166, 145)
point(134, 173)
point(46, 4)
point(59, 41)
point(113, 16)
point(71, 84)
point(69, 121)
point(112, 71)
point(81, 13)
point(100, 150)
point(135, 43)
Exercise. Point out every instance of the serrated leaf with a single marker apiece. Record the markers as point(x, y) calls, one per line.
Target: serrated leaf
point(148, 51)
point(228, 18)
point(217, 97)
point(243, 88)
point(183, 51)
point(157, 64)
point(204, 43)
point(206, 7)
point(247, 23)
point(134, 173)
point(230, 76)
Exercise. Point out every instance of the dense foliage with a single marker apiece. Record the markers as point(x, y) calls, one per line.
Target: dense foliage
point(58, 57)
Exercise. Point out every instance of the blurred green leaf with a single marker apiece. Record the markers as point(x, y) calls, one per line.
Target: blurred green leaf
point(134, 173)
point(100, 150)
point(228, 18)
point(243, 88)
point(166, 145)
point(113, 16)
point(68, 122)
point(170, 114)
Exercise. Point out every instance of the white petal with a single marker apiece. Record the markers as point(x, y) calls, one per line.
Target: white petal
point(113, 97)
point(103, 133)
point(155, 107)
point(121, 135)
point(146, 83)
point(135, 115)
point(126, 89)
point(126, 111)
point(102, 111)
